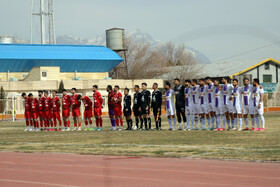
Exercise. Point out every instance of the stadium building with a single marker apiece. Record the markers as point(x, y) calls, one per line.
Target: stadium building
point(31, 62)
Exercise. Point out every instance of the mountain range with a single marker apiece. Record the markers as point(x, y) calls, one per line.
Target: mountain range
point(138, 35)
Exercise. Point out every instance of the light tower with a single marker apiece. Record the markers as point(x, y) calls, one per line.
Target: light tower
point(46, 21)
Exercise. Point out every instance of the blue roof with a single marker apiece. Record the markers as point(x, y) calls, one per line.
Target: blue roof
point(83, 58)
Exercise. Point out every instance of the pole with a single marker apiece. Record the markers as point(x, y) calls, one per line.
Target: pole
point(31, 20)
point(266, 98)
point(125, 61)
point(42, 15)
point(13, 108)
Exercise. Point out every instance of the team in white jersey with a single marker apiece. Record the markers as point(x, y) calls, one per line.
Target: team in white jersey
point(219, 103)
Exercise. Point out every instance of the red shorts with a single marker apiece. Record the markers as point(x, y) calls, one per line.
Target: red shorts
point(41, 114)
point(97, 111)
point(118, 112)
point(56, 115)
point(27, 115)
point(48, 114)
point(76, 112)
point(88, 114)
point(66, 113)
point(34, 115)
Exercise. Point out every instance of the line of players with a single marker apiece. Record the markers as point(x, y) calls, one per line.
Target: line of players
point(205, 100)
point(219, 104)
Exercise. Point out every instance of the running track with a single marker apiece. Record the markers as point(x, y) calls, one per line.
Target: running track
point(65, 170)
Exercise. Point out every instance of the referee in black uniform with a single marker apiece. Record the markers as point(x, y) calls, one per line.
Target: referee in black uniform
point(137, 105)
point(127, 108)
point(156, 105)
point(145, 106)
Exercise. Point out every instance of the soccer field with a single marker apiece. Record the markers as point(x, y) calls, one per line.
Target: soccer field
point(253, 146)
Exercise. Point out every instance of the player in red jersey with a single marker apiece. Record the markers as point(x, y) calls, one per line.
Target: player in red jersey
point(111, 94)
point(97, 99)
point(76, 103)
point(41, 107)
point(56, 110)
point(66, 104)
point(34, 111)
point(27, 114)
point(48, 111)
point(118, 107)
point(88, 112)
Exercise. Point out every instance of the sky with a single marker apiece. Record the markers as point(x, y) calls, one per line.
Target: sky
point(217, 28)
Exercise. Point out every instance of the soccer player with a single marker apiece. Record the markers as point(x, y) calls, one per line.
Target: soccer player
point(48, 111)
point(219, 100)
point(248, 108)
point(118, 107)
point(66, 104)
point(127, 108)
point(170, 106)
point(156, 105)
point(34, 111)
point(97, 103)
point(237, 104)
point(76, 103)
point(87, 113)
point(189, 105)
point(258, 95)
point(41, 107)
point(137, 106)
point(111, 95)
point(56, 110)
point(211, 103)
point(196, 106)
point(145, 107)
point(228, 107)
point(180, 102)
point(27, 113)
point(203, 104)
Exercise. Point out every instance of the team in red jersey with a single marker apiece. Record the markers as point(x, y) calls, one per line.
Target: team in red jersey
point(56, 110)
point(48, 112)
point(88, 112)
point(66, 104)
point(118, 107)
point(27, 113)
point(76, 103)
point(41, 106)
point(34, 111)
point(97, 103)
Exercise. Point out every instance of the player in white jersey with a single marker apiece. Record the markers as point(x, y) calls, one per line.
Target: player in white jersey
point(248, 108)
point(218, 104)
point(196, 106)
point(211, 103)
point(170, 105)
point(189, 105)
point(237, 104)
point(203, 103)
point(228, 108)
point(258, 95)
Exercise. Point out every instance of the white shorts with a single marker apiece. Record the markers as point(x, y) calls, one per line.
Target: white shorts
point(248, 109)
point(170, 112)
point(196, 109)
point(204, 109)
point(237, 110)
point(256, 110)
point(228, 107)
point(219, 110)
point(189, 110)
point(211, 107)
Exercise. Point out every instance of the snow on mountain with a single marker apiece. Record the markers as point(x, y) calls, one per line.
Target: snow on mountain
point(137, 35)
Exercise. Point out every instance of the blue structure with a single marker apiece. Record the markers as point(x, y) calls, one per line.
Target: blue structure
point(70, 58)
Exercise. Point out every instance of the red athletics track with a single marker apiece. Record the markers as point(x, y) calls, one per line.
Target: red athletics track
point(65, 170)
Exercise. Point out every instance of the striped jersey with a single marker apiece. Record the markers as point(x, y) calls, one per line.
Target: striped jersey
point(195, 94)
point(247, 95)
point(188, 96)
point(237, 96)
point(257, 95)
point(203, 95)
point(210, 93)
point(169, 96)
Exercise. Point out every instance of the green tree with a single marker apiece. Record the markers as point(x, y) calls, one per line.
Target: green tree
point(61, 86)
point(2, 99)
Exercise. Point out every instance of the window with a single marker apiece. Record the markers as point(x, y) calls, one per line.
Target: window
point(44, 74)
point(266, 66)
point(267, 78)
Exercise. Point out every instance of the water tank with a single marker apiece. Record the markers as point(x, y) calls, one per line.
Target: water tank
point(6, 39)
point(115, 39)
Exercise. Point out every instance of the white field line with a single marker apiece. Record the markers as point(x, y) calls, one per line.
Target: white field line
point(138, 145)
point(31, 182)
